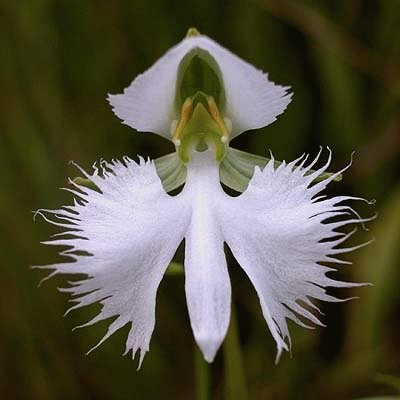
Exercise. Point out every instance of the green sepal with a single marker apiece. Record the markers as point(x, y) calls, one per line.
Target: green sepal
point(237, 168)
point(171, 171)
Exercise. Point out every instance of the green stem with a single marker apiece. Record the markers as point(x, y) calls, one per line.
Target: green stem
point(235, 383)
point(202, 369)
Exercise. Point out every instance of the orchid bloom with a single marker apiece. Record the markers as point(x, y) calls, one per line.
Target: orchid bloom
point(124, 231)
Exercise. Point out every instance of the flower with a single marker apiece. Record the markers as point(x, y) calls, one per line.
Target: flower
point(123, 232)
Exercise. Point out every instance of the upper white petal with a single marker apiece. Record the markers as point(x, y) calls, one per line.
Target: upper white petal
point(127, 231)
point(276, 232)
point(252, 101)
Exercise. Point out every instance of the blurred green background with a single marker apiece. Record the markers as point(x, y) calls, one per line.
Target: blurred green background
point(59, 59)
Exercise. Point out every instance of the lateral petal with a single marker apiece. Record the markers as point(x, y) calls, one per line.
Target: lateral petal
point(121, 238)
point(279, 232)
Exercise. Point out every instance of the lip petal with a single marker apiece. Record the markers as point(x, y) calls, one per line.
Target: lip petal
point(207, 283)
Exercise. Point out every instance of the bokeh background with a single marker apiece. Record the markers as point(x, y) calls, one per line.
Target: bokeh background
point(59, 59)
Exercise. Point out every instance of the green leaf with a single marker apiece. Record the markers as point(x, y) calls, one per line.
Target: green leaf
point(174, 269)
point(368, 321)
point(378, 264)
point(237, 169)
point(235, 381)
point(202, 376)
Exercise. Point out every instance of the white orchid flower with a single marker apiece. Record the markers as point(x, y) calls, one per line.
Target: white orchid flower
point(124, 232)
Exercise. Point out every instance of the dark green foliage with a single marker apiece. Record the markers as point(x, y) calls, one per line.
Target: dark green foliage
point(59, 59)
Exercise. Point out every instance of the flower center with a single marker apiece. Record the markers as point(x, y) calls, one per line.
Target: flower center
point(200, 127)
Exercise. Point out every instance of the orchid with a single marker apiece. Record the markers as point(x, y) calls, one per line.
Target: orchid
point(124, 228)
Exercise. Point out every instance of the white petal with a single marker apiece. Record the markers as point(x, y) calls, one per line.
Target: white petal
point(252, 101)
point(131, 231)
point(207, 285)
point(276, 232)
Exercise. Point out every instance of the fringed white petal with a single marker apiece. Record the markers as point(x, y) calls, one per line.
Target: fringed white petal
point(208, 288)
point(123, 239)
point(252, 101)
point(279, 232)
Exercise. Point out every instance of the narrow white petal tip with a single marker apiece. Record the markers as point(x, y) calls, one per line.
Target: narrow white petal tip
point(141, 358)
point(278, 354)
point(209, 346)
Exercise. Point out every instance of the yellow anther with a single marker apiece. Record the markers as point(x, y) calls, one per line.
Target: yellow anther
point(216, 115)
point(186, 112)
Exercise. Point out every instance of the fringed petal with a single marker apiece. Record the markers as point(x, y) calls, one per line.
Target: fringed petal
point(122, 237)
point(280, 233)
